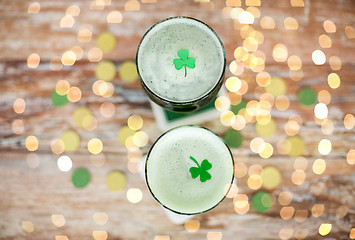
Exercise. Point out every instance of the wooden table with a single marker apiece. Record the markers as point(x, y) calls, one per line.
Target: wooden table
point(29, 197)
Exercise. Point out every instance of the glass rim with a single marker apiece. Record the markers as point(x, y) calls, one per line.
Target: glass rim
point(206, 95)
point(146, 176)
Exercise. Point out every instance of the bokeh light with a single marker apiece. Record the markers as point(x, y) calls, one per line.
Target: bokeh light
point(57, 146)
point(307, 96)
point(333, 80)
point(58, 220)
point(114, 17)
point(298, 177)
point(105, 70)
point(287, 212)
point(95, 146)
point(17, 126)
point(32, 143)
point(318, 57)
point(271, 177)
point(99, 235)
point(62, 87)
point(80, 177)
point(95, 54)
point(255, 181)
point(241, 203)
point(32, 160)
point(106, 41)
point(73, 10)
point(135, 122)
point(246, 18)
point(276, 87)
point(67, 21)
point(116, 181)
point(68, 58)
point(222, 103)
point(294, 63)
point(300, 163)
point(267, 22)
point(128, 72)
point(317, 210)
point(107, 109)
point(319, 166)
point(233, 84)
point(267, 129)
point(140, 139)
point(27, 226)
point(291, 23)
point(349, 121)
point(324, 97)
point(297, 3)
point(321, 111)
point(214, 235)
point(100, 218)
point(324, 146)
point(33, 60)
point(329, 26)
point(71, 141)
point(301, 215)
point(134, 195)
point(266, 150)
point(34, 7)
point(335, 63)
point(285, 198)
point(325, 228)
point(192, 225)
point(84, 34)
point(64, 163)
point(74, 94)
point(261, 201)
point(19, 105)
point(280, 52)
point(350, 157)
point(325, 41)
point(285, 233)
point(294, 146)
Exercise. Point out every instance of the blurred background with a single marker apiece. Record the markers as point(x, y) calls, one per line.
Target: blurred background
point(76, 124)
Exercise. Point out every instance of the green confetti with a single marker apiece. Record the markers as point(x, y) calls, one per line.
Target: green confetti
point(201, 170)
point(80, 178)
point(236, 108)
point(59, 100)
point(261, 201)
point(184, 60)
point(307, 96)
point(233, 138)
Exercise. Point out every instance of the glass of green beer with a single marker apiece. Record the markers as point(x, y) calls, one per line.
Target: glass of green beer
point(189, 170)
point(181, 63)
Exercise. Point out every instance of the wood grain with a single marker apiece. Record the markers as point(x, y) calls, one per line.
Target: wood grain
point(36, 194)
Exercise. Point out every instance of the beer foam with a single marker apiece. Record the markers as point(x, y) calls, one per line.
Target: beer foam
point(159, 48)
point(168, 164)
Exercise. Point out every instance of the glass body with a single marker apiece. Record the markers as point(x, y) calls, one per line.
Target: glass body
point(169, 50)
point(189, 170)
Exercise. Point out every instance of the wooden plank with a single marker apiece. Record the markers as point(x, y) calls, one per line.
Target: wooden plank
point(25, 33)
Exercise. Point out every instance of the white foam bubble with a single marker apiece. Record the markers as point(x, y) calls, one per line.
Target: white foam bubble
point(159, 48)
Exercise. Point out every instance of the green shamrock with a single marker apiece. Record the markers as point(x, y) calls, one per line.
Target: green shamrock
point(184, 60)
point(201, 170)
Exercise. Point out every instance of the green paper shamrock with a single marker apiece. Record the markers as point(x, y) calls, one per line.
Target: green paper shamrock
point(184, 60)
point(201, 170)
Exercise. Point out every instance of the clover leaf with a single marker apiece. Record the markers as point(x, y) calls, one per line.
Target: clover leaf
point(201, 170)
point(184, 60)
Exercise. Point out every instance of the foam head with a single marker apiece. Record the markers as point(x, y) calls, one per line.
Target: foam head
point(200, 59)
point(189, 169)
